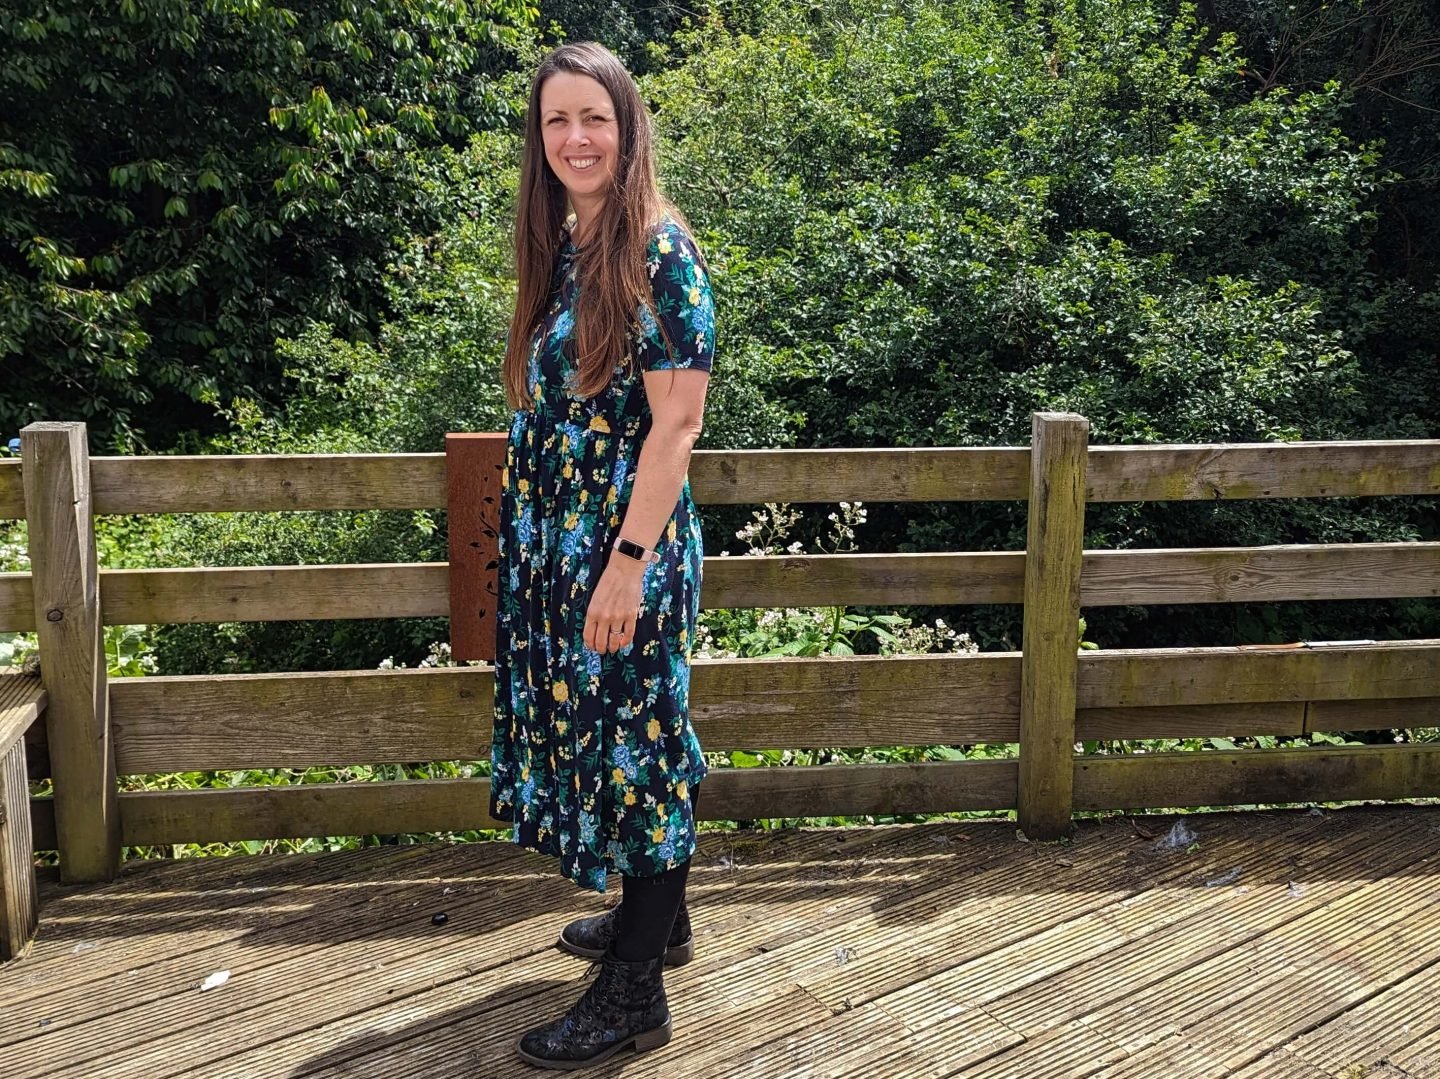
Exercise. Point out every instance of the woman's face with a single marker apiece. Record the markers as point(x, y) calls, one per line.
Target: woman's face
point(582, 136)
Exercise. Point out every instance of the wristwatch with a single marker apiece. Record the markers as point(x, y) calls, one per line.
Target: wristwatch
point(633, 550)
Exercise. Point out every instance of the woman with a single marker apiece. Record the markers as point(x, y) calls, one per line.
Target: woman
point(594, 760)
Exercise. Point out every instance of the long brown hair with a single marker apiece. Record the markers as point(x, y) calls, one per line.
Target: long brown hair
point(610, 266)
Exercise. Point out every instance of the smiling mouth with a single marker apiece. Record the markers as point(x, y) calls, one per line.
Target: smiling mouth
point(583, 164)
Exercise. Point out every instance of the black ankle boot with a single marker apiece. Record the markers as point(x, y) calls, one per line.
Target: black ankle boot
point(624, 1007)
point(591, 937)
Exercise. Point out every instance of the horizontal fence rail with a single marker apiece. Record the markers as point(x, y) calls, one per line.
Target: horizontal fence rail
point(1154, 780)
point(232, 722)
point(1108, 578)
point(402, 481)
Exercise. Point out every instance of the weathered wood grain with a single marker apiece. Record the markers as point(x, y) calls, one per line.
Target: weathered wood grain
point(215, 483)
point(17, 603)
point(72, 651)
point(22, 702)
point(1239, 470)
point(1054, 545)
point(1108, 578)
point(1261, 574)
point(304, 810)
point(442, 805)
point(42, 823)
point(1373, 715)
point(1251, 777)
point(929, 474)
point(250, 721)
point(12, 492)
point(1192, 721)
point(1119, 782)
point(275, 593)
point(19, 899)
point(1171, 677)
point(474, 466)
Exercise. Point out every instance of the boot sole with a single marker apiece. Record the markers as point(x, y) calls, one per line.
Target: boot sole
point(650, 1039)
point(677, 955)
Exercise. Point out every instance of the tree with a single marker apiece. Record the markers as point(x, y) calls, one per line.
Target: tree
point(181, 183)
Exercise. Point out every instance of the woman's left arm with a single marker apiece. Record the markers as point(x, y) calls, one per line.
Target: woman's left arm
point(677, 408)
point(676, 350)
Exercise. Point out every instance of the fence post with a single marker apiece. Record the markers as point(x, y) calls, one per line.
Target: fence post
point(1053, 546)
point(56, 466)
point(473, 464)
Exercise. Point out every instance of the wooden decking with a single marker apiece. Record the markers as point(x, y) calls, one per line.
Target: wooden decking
point(1286, 944)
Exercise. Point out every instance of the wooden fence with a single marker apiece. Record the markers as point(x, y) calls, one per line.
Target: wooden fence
point(1045, 699)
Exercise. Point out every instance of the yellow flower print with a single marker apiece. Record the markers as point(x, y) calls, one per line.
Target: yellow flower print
point(561, 691)
point(682, 789)
point(664, 246)
point(694, 296)
point(629, 797)
point(561, 726)
point(571, 521)
point(658, 835)
point(653, 729)
point(523, 485)
point(599, 423)
point(505, 476)
point(567, 471)
point(670, 530)
point(617, 775)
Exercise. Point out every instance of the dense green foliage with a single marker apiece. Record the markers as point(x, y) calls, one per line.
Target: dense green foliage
point(925, 223)
point(961, 215)
point(181, 183)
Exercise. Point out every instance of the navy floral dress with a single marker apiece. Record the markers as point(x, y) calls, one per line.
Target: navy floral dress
point(594, 759)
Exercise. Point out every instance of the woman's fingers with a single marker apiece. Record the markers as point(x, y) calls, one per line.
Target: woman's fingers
point(609, 632)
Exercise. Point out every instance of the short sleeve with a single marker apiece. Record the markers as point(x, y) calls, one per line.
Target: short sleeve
point(683, 305)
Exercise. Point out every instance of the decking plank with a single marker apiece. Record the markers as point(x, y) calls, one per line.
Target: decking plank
point(971, 953)
point(736, 911)
point(1367, 1035)
point(490, 916)
point(1156, 975)
point(820, 860)
point(1160, 1027)
point(1034, 960)
point(904, 943)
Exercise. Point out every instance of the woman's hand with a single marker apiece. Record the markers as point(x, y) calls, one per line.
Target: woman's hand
point(610, 618)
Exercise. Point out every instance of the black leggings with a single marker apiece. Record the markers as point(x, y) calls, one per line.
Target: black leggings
point(648, 908)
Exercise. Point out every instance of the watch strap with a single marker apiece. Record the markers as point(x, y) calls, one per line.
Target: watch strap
point(631, 549)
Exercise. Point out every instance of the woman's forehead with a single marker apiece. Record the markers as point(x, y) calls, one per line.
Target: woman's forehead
point(566, 91)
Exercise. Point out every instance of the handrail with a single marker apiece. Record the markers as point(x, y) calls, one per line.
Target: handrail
point(1152, 473)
